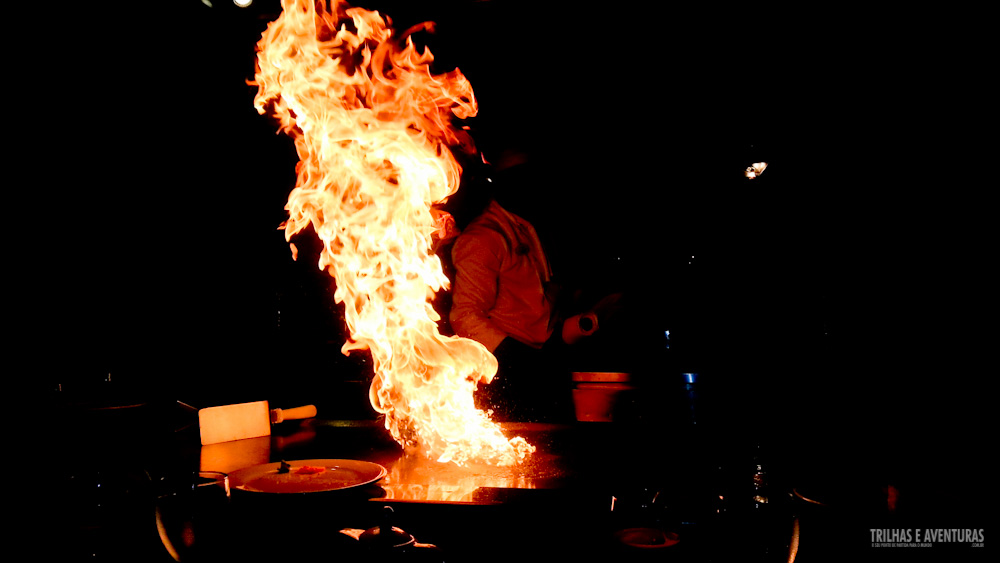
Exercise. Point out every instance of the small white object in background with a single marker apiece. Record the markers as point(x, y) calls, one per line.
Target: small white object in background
point(755, 169)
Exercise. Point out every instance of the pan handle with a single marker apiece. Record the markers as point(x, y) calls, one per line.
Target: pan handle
point(297, 413)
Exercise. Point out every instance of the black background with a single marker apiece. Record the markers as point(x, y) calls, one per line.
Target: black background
point(842, 290)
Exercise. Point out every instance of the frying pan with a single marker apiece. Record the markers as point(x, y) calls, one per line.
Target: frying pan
point(306, 476)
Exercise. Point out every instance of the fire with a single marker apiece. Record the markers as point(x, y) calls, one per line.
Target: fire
point(374, 133)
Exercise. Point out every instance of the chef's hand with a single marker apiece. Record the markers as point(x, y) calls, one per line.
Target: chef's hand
point(579, 327)
point(583, 325)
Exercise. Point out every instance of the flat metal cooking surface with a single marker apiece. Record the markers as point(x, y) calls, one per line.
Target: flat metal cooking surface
point(566, 456)
point(415, 478)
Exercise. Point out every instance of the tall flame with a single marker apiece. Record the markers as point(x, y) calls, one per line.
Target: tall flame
point(373, 130)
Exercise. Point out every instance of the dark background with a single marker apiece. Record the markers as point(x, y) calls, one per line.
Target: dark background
point(839, 295)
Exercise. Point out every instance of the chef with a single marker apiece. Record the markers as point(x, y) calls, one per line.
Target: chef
point(505, 296)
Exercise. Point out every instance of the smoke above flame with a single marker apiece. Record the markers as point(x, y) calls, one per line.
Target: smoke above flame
point(373, 130)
